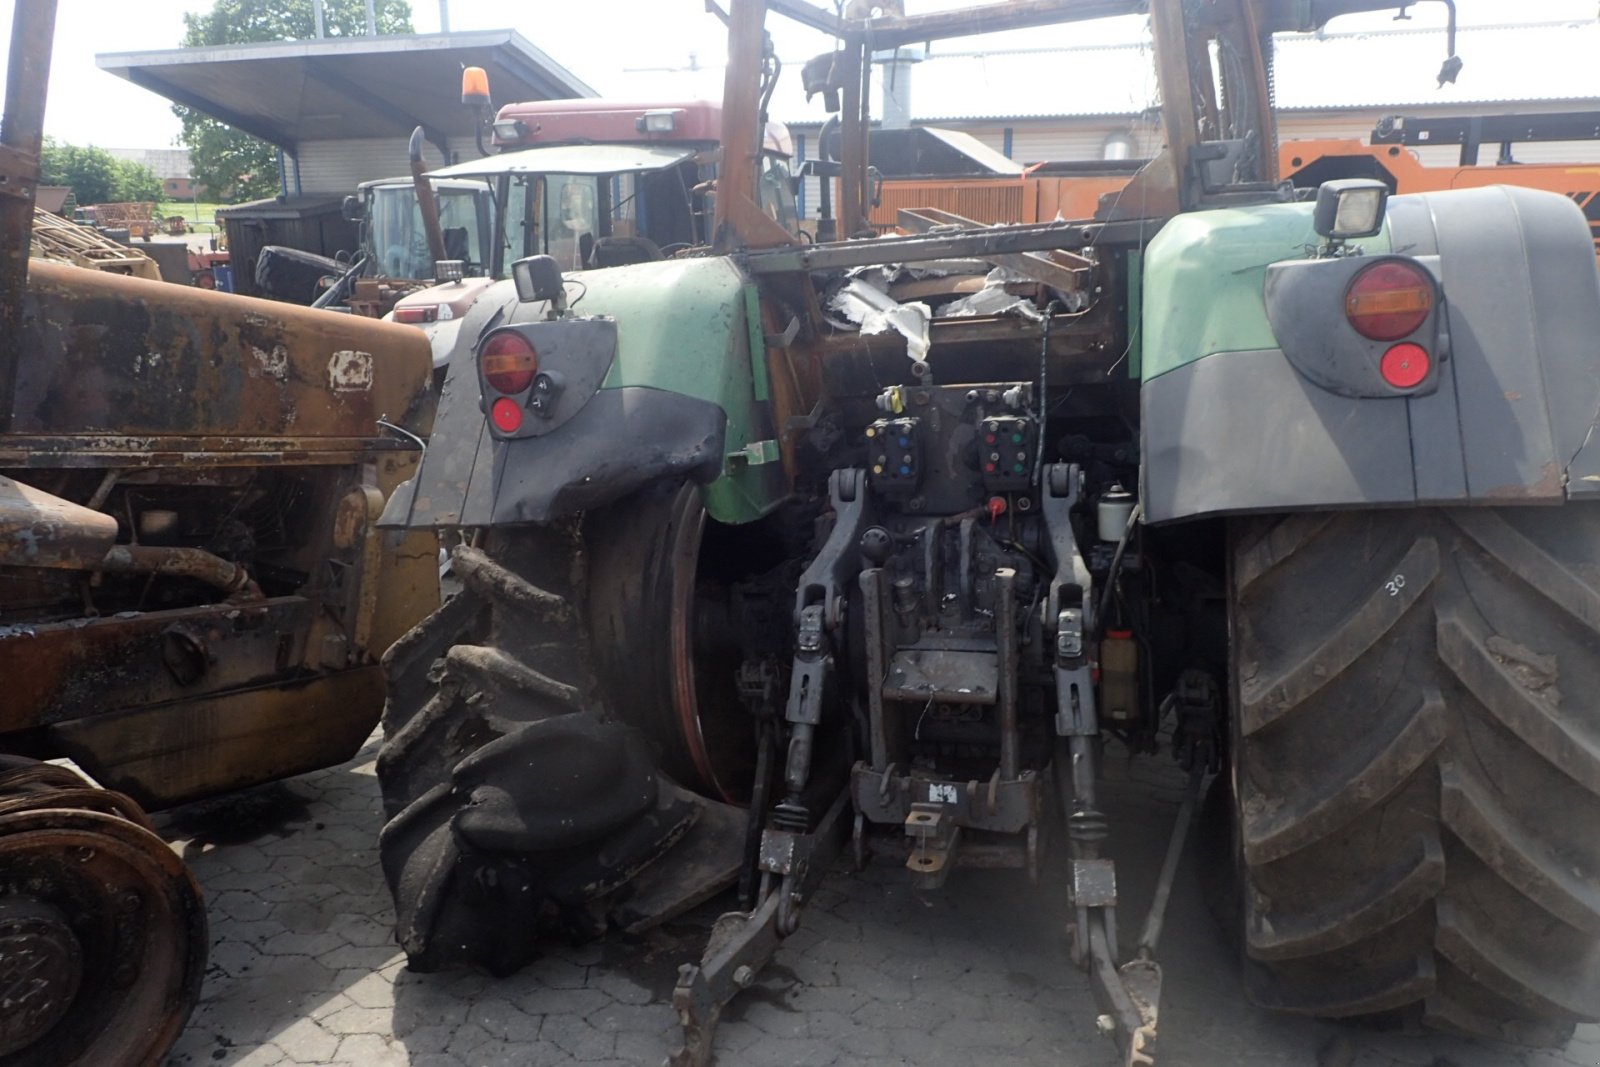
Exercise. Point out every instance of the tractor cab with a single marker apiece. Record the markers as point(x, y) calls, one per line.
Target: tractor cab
point(592, 184)
point(393, 236)
point(597, 183)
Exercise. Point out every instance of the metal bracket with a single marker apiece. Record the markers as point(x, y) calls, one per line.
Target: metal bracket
point(1072, 584)
point(838, 563)
point(1129, 996)
point(786, 338)
point(935, 836)
point(1075, 707)
point(1069, 612)
point(742, 943)
point(1094, 883)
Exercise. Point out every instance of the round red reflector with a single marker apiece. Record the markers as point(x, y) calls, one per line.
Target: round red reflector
point(1389, 300)
point(506, 415)
point(1404, 366)
point(508, 362)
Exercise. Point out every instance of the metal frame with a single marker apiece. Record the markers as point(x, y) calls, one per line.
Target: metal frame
point(1473, 132)
point(21, 140)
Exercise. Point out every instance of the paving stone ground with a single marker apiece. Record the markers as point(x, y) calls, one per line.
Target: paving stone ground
point(303, 967)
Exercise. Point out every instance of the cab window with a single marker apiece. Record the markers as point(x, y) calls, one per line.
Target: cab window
point(775, 192)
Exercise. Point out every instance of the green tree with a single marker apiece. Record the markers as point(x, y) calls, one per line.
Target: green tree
point(92, 172)
point(135, 181)
point(231, 164)
point(96, 176)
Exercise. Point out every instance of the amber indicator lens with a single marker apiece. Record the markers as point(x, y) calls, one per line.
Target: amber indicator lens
point(508, 362)
point(1389, 300)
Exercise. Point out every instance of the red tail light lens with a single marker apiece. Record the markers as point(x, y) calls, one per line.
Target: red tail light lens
point(1389, 300)
point(417, 315)
point(506, 414)
point(1404, 366)
point(508, 362)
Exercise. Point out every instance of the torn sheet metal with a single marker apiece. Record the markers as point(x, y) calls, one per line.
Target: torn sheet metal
point(995, 298)
point(875, 311)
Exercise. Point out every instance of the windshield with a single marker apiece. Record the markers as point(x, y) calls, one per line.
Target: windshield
point(590, 220)
point(396, 237)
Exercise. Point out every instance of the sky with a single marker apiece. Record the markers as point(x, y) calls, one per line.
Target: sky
point(662, 38)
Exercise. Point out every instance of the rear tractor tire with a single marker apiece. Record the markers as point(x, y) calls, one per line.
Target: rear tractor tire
point(1417, 766)
point(546, 733)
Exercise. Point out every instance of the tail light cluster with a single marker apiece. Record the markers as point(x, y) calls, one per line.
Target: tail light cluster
point(1361, 325)
point(507, 366)
point(1390, 301)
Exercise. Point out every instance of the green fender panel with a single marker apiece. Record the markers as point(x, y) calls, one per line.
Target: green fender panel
point(682, 327)
point(1203, 279)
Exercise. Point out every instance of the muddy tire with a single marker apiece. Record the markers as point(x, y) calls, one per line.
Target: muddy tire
point(1417, 772)
point(522, 769)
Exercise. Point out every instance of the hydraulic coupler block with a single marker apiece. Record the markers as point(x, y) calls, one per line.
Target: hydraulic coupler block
point(1007, 446)
point(894, 454)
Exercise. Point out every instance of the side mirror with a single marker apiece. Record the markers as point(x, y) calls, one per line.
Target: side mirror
point(537, 278)
point(1350, 207)
point(352, 210)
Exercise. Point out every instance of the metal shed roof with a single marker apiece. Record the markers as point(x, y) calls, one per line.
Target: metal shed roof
point(336, 88)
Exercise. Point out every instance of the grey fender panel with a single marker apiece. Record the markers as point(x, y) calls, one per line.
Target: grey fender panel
point(1512, 420)
point(620, 441)
point(1244, 430)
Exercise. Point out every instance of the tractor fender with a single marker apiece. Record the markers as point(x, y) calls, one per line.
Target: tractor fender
point(1276, 409)
point(679, 400)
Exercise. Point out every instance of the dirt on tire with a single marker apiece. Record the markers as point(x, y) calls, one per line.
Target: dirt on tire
point(1417, 746)
point(521, 802)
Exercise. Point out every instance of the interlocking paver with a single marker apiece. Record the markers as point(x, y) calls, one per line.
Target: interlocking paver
point(358, 1020)
point(574, 1036)
point(505, 1020)
point(304, 970)
point(303, 1041)
point(372, 1050)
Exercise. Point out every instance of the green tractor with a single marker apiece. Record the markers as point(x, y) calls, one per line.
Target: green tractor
point(887, 541)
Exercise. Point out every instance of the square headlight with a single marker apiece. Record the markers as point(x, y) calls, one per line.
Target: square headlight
point(1350, 207)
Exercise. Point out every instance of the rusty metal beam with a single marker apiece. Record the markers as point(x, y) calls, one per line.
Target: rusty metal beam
point(898, 30)
point(853, 138)
point(22, 135)
point(1178, 102)
point(739, 112)
point(740, 222)
point(808, 14)
point(980, 244)
point(1057, 268)
point(55, 452)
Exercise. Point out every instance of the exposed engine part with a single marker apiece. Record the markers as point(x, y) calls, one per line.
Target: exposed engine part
point(182, 563)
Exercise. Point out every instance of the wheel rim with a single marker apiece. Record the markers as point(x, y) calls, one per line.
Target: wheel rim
point(41, 968)
point(114, 920)
point(716, 736)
